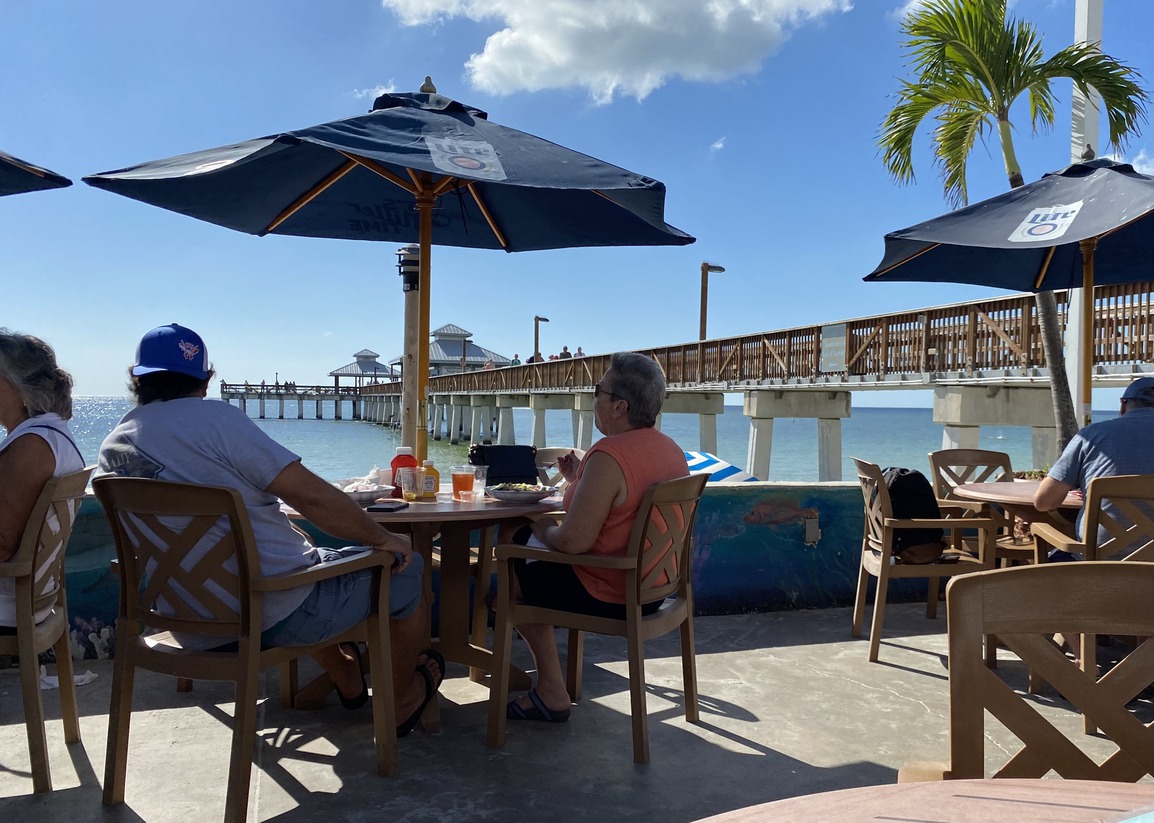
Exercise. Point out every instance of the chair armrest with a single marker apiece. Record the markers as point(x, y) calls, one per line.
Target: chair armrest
point(15, 570)
point(962, 506)
point(598, 561)
point(941, 523)
point(323, 571)
point(1059, 540)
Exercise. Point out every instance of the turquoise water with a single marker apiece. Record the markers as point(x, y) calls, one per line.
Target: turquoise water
point(337, 449)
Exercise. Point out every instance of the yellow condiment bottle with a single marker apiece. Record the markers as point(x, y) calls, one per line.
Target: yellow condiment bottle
point(432, 481)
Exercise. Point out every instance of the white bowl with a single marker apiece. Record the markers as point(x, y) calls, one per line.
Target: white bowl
point(515, 496)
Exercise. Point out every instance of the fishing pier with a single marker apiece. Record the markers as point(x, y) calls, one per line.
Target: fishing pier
point(982, 359)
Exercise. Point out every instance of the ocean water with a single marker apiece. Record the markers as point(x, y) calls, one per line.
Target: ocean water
point(337, 449)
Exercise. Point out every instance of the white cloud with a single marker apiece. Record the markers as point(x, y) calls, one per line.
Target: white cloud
point(717, 145)
point(1143, 162)
point(375, 92)
point(618, 47)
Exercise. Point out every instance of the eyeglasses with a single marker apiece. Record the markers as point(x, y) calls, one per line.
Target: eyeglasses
point(598, 390)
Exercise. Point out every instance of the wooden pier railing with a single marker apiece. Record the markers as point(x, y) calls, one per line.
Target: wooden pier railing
point(973, 342)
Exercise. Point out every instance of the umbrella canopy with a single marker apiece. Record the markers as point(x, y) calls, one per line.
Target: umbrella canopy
point(19, 176)
point(417, 168)
point(1027, 239)
point(355, 179)
point(1090, 223)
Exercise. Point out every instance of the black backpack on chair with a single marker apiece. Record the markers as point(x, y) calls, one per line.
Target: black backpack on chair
point(912, 498)
point(507, 464)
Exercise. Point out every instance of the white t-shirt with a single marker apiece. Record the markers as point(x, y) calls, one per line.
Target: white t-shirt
point(191, 440)
point(55, 433)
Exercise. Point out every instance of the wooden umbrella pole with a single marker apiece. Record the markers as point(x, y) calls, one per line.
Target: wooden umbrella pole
point(1088, 245)
point(425, 201)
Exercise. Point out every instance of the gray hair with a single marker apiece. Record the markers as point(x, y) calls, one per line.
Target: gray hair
point(29, 364)
point(638, 381)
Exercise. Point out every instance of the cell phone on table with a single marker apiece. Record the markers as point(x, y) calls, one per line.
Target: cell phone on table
point(388, 506)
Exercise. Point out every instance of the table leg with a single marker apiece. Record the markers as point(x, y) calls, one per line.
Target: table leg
point(455, 641)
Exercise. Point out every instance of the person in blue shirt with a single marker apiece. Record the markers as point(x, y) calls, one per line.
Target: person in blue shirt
point(1124, 445)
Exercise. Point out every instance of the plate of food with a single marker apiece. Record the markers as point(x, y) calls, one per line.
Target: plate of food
point(520, 492)
point(365, 493)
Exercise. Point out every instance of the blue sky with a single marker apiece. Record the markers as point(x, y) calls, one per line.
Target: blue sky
point(759, 116)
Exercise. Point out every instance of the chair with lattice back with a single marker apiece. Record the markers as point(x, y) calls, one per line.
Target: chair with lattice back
point(1023, 606)
point(950, 468)
point(190, 577)
point(879, 560)
point(37, 573)
point(657, 567)
point(1118, 523)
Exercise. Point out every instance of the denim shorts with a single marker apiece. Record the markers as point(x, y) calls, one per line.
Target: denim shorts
point(336, 605)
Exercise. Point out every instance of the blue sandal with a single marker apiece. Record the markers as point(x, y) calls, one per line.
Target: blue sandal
point(538, 711)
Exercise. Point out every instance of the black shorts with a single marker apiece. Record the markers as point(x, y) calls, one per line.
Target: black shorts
point(557, 586)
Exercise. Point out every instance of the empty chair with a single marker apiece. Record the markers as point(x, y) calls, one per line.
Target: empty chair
point(547, 471)
point(168, 595)
point(1023, 605)
point(953, 467)
point(657, 567)
point(879, 560)
point(37, 570)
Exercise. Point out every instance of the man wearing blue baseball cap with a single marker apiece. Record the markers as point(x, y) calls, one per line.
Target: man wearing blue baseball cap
point(1124, 445)
point(175, 433)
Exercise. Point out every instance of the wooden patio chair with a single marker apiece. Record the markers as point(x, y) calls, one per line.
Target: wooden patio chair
point(1130, 529)
point(657, 566)
point(188, 565)
point(950, 468)
point(879, 560)
point(37, 572)
point(1023, 605)
point(547, 470)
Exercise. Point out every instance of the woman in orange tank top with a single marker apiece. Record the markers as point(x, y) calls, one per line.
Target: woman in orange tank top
point(602, 499)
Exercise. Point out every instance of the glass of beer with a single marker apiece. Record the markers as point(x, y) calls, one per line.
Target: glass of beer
point(463, 477)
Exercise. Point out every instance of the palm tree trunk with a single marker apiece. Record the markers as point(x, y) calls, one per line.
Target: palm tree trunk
point(1064, 419)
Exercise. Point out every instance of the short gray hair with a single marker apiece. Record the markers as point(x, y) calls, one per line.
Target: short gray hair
point(638, 381)
point(29, 364)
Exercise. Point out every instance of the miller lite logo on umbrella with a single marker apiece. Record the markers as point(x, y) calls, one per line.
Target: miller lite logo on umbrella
point(1045, 224)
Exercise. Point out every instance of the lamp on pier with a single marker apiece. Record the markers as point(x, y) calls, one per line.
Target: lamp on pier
point(706, 268)
point(537, 321)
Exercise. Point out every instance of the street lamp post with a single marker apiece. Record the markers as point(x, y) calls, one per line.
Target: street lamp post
point(706, 268)
point(537, 321)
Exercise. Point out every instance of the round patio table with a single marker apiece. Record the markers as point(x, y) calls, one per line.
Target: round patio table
point(952, 801)
point(423, 520)
point(1017, 499)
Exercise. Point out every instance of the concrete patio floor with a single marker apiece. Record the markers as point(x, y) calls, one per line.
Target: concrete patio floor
point(789, 706)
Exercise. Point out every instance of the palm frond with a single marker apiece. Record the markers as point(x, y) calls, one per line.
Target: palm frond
point(958, 128)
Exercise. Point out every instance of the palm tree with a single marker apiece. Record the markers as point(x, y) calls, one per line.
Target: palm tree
point(972, 63)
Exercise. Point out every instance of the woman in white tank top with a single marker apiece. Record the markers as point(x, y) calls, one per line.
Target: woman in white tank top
point(36, 400)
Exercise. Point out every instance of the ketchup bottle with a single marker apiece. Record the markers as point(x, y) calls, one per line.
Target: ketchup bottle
point(404, 459)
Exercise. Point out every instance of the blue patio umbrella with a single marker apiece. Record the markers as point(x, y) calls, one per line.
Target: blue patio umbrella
point(418, 167)
point(19, 176)
point(1089, 224)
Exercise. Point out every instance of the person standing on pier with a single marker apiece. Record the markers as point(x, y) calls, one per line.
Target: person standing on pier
point(601, 501)
point(176, 433)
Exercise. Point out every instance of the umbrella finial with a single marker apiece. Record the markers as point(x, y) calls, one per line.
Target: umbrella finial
point(427, 87)
point(1088, 152)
